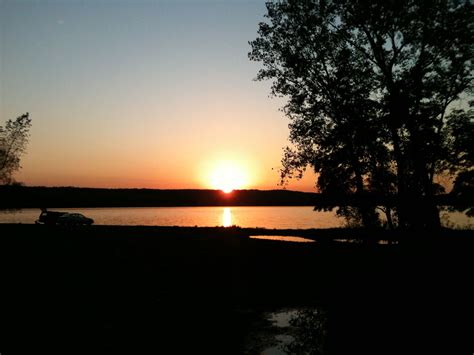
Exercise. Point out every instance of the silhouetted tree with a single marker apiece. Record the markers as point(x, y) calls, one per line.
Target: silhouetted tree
point(13, 140)
point(368, 86)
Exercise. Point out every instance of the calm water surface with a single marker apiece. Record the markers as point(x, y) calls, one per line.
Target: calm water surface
point(246, 216)
point(269, 217)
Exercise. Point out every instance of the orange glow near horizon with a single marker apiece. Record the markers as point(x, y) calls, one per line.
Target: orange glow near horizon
point(156, 101)
point(228, 176)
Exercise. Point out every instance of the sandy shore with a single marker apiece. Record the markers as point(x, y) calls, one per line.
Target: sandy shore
point(112, 289)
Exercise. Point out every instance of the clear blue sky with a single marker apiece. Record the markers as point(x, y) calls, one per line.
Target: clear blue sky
point(143, 93)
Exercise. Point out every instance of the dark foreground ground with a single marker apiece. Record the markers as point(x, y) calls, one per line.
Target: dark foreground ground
point(151, 290)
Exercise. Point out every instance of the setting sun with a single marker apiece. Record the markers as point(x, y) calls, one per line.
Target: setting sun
point(228, 177)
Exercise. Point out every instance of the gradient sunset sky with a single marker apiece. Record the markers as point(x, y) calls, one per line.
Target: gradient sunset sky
point(155, 94)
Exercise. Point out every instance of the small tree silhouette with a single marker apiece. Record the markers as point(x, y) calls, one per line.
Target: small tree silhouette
point(13, 141)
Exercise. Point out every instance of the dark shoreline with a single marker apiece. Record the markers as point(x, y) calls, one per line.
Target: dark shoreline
point(324, 235)
point(113, 289)
point(64, 197)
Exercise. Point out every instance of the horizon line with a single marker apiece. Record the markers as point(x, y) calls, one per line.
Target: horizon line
point(149, 188)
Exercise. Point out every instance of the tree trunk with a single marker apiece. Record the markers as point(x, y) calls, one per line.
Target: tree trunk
point(388, 214)
point(401, 181)
point(423, 194)
point(369, 216)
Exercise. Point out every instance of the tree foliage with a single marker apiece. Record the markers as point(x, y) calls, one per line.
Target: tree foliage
point(459, 149)
point(13, 141)
point(369, 86)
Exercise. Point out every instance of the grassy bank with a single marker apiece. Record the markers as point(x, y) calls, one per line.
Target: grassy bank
point(112, 289)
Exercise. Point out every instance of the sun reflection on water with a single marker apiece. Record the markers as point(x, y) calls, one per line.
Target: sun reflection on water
point(226, 217)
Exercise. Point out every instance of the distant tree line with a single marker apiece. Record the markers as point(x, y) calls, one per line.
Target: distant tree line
point(49, 197)
point(371, 88)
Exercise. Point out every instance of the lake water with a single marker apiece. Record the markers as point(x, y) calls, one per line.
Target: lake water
point(245, 216)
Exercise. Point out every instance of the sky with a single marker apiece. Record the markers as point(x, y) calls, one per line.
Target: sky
point(155, 94)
